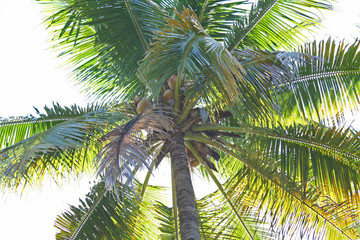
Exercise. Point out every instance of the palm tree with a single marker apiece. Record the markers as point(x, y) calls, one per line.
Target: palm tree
point(218, 88)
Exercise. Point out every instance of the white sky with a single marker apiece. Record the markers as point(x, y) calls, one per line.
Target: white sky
point(30, 76)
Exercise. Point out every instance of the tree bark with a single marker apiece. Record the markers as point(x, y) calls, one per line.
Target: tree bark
point(189, 222)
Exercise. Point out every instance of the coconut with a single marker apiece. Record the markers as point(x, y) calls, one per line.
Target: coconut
point(137, 99)
point(172, 82)
point(143, 103)
point(168, 94)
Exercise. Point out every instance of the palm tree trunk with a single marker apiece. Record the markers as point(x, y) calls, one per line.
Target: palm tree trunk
point(189, 223)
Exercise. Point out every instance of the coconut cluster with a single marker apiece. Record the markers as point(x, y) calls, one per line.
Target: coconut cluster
point(195, 115)
point(169, 93)
point(168, 96)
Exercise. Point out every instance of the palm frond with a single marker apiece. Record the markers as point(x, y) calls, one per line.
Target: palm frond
point(104, 40)
point(16, 129)
point(313, 150)
point(274, 24)
point(101, 215)
point(319, 82)
point(128, 150)
point(260, 186)
point(326, 83)
point(276, 67)
point(219, 221)
point(203, 64)
point(217, 17)
point(289, 208)
point(166, 218)
point(67, 147)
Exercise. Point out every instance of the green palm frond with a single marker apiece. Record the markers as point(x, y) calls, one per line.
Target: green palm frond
point(276, 67)
point(220, 222)
point(257, 186)
point(102, 215)
point(307, 151)
point(16, 129)
point(202, 64)
point(274, 24)
point(287, 206)
point(166, 218)
point(318, 82)
point(327, 83)
point(104, 40)
point(268, 71)
point(217, 17)
point(66, 147)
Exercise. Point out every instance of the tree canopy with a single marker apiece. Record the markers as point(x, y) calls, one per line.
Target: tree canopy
point(227, 89)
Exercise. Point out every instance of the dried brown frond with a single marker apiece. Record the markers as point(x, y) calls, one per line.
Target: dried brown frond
point(130, 144)
point(163, 151)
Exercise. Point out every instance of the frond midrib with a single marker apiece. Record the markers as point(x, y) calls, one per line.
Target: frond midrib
point(317, 145)
point(87, 215)
point(323, 74)
point(136, 25)
point(203, 10)
point(253, 24)
point(39, 120)
point(187, 50)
